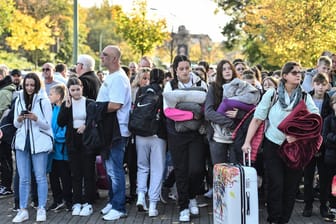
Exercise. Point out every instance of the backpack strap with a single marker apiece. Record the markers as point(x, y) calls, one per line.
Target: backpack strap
point(41, 107)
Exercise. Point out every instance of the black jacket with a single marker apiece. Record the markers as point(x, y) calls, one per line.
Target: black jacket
point(91, 85)
point(326, 109)
point(65, 118)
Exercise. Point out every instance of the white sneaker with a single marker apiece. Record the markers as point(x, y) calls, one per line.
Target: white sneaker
point(21, 216)
point(141, 202)
point(106, 209)
point(194, 210)
point(41, 215)
point(184, 215)
point(76, 209)
point(114, 215)
point(86, 210)
point(152, 212)
point(209, 193)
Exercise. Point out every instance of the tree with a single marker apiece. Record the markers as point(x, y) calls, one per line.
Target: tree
point(301, 32)
point(141, 33)
point(277, 31)
point(30, 34)
point(6, 10)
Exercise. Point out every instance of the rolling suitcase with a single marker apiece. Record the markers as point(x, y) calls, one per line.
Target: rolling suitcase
point(235, 199)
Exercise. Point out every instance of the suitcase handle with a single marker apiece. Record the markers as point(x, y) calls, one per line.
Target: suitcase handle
point(248, 203)
point(248, 156)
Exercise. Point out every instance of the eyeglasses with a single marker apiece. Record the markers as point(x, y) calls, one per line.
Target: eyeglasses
point(296, 73)
point(105, 54)
point(45, 69)
point(79, 63)
point(145, 69)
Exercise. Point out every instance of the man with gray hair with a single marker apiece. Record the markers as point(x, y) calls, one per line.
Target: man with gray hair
point(48, 70)
point(85, 71)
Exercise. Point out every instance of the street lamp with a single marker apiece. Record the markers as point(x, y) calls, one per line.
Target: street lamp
point(75, 32)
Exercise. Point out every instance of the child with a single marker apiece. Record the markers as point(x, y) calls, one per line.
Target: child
point(60, 175)
point(321, 100)
point(323, 66)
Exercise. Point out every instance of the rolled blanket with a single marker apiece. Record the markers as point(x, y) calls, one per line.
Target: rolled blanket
point(185, 126)
point(192, 95)
point(193, 107)
point(229, 104)
point(242, 91)
point(306, 127)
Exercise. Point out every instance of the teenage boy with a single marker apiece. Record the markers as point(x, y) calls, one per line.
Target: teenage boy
point(323, 66)
point(321, 100)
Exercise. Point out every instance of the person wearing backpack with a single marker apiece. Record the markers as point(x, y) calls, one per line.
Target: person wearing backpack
point(186, 144)
point(7, 88)
point(148, 124)
point(282, 181)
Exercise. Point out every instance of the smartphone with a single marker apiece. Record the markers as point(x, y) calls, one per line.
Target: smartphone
point(23, 112)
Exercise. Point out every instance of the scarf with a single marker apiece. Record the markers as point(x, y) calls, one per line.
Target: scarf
point(295, 96)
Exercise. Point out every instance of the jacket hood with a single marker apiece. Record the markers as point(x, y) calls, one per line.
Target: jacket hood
point(7, 82)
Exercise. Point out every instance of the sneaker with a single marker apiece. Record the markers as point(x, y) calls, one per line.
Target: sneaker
point(76, 209)
point(86, 210)
point(172, 196)
point(141, 202)
point(114, 215)
point(5, 192)
point(56, 206)
point(16, 207)
point(152, 212)
point(41, 215)
point(307, 211)
point(193, 208)
point(209, 194)
point(106, 209)
point(164, 195)
point(326, 215)
point(68, 206)
point(184, 215)
point(34, 204)
point(21, 216)
point(299, 197)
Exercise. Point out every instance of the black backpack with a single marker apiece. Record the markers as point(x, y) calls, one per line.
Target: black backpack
point(93, 136)
point(147, 114)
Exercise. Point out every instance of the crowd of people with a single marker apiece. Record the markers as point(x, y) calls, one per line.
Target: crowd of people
point(45, 116)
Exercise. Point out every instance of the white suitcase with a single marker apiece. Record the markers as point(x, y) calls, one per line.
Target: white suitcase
point(235, 199)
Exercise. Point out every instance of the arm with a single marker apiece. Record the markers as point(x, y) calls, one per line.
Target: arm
point(210, 113)
point(112, 107)
point(64, 115)
point(253, 127)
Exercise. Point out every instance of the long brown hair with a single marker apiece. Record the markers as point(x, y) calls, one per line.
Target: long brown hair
point(218, 84)
point(29, 98)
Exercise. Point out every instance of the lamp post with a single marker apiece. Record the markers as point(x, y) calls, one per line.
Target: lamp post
point(75, 32)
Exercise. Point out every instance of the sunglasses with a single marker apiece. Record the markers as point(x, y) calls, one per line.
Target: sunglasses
point(296, 73)
point(145, 69)
point(45, 69)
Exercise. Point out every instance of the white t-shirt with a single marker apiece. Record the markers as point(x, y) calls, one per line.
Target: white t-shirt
point(117, 89)
point(78, 112)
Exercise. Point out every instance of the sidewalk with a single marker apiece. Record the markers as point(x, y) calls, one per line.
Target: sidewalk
point(168, 214)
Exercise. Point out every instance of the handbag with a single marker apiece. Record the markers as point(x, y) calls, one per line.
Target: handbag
point(333, 186)
point(330, 157)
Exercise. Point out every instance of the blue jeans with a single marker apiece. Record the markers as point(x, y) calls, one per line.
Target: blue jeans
point(39, 162)
point(115, 170)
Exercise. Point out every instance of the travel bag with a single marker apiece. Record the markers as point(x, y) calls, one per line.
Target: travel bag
point(235, 199)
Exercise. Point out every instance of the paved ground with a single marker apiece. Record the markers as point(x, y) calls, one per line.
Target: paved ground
point(168, 214)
